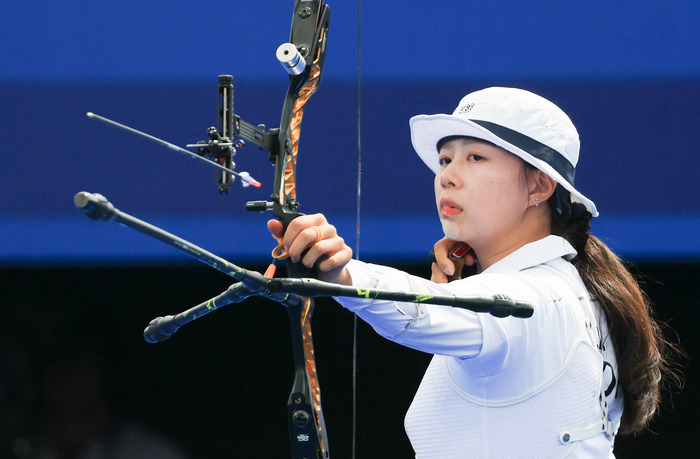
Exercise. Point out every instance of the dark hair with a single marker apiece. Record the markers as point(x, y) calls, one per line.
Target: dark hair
point(642, 351)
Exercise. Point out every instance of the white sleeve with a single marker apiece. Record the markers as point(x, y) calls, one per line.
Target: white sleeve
point(429, 328)
point(485, 345)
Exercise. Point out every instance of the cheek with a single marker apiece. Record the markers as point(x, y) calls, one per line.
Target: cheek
point(501, 172)
point(438, 188)
point(506, 200)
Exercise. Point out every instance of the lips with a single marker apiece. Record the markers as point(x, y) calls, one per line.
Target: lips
point(449, 208)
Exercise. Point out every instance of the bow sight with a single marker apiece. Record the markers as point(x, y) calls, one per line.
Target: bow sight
point(221, 146)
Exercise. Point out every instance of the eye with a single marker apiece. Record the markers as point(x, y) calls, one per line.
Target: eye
point(444, 160)
point(475, 157)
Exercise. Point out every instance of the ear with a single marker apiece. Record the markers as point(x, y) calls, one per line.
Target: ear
point(541, 186)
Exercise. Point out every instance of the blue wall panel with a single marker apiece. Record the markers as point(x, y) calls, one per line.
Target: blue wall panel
point(626, 73)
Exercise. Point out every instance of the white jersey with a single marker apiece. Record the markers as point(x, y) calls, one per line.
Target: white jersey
point(538, 387)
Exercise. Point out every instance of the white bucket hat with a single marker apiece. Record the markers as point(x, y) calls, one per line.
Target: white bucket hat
point(522, 123)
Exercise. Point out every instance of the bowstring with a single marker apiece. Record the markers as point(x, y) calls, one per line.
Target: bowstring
point(357, 228)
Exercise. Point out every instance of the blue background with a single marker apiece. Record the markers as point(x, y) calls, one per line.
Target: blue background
point(627, 73)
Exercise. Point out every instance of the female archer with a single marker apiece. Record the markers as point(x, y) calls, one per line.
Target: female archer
point(585, 366)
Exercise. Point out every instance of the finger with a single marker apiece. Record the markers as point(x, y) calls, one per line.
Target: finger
point(276, 228)
point(336, 260)
point(458, 264)
point(437, 274)
point(469, 258)
point(319, 235)
point(306, 239)
point(326, 244)
point(331, 268)
point(287, 236)
point(298, 234)
point(443, 249)
point(302, 222)
point(444, 263)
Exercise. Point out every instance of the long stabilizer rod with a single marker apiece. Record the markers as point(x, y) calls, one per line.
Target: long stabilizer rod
point(287, 290)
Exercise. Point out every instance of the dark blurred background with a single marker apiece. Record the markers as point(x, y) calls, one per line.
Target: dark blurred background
point(219, 386)
point(73, 363)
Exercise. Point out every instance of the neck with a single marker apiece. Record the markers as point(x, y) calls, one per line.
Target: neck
point(535, 225)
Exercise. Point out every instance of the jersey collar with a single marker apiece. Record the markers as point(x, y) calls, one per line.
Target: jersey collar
point(535, 253)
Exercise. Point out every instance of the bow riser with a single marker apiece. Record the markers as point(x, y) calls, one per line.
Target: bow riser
point(309, 33)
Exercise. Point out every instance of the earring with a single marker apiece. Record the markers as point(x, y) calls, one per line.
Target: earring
point(536, 202)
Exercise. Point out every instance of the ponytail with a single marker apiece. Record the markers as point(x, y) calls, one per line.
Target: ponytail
point(640, 346)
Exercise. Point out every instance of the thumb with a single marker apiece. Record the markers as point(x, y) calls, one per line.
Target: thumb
point(276, 228)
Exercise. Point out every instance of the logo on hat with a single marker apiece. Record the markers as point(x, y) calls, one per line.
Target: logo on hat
point(465, 108)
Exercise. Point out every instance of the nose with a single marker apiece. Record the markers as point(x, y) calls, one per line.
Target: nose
point(446, 176)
